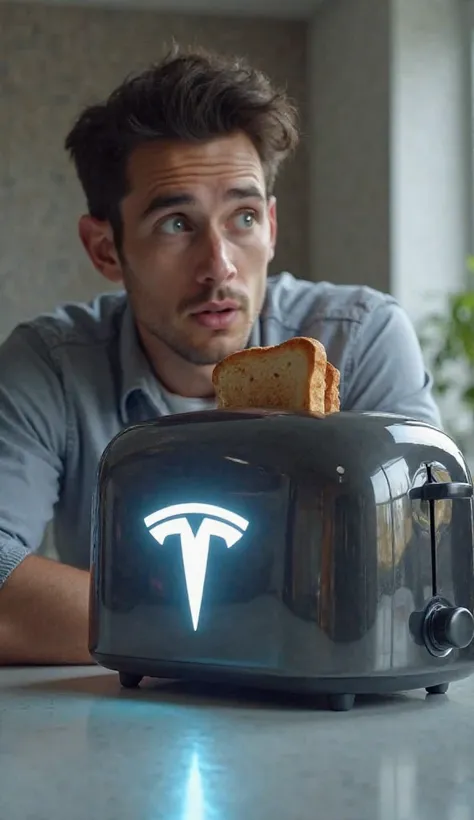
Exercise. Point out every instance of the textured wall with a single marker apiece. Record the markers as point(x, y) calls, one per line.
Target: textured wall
point(350, 118)
point(52, 62)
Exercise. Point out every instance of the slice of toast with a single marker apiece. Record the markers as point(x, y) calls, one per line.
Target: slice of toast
point(332, 402)
point(290, 376)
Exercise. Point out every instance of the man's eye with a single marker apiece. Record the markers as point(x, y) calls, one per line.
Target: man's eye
point(245, 220)
point(174, 225)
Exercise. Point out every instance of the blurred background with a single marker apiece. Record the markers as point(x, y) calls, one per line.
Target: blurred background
point(380, 191)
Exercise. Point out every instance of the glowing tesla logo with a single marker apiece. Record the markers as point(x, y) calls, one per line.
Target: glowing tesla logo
point(195, 548)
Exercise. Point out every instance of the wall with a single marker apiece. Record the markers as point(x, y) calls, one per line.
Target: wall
point(430, 139)
point(55, 60)
point(389, 96)
point(350, 127)
point(391, 130)
point(431, 181)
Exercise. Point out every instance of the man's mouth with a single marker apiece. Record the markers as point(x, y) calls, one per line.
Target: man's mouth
point(217, 315)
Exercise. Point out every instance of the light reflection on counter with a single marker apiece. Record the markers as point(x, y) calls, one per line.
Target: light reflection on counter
point(166, 753)
point(397, 787)
point(400, 795)
point(194, 803)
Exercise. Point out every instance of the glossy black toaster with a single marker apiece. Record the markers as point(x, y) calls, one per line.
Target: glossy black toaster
point(328, 554)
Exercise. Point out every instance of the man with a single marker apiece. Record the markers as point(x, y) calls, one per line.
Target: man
point(178, 168)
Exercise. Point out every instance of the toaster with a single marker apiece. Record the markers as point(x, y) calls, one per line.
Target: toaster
point(318, 554)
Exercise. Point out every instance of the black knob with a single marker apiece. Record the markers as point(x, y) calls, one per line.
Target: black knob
point(450, 627)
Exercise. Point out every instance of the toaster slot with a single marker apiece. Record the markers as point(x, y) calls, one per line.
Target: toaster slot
point(431, 492)
point(431, 506)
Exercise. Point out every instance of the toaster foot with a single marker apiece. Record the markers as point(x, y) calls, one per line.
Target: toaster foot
point(129, 681)
point(440, 689)
point(341, 703)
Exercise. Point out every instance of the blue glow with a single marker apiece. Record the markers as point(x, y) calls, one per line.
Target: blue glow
point(194, 808)
point(195, 548)
point(197, 509)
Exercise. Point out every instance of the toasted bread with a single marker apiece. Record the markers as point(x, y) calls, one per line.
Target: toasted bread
point(332, 402)
point(294, 375)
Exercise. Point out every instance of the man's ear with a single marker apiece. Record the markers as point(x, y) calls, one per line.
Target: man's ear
point(97, 238)
point(272, 217)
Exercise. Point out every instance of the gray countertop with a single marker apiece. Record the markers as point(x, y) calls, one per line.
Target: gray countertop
point(73, 745)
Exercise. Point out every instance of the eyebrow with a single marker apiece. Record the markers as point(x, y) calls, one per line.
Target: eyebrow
point(247, 192)
point(163, 202)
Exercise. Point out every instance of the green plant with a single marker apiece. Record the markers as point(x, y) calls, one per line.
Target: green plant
point(447, 340)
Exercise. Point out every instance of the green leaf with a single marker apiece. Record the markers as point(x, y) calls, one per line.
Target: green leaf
point(442, 387)
point(468, 395)
point(446, 337)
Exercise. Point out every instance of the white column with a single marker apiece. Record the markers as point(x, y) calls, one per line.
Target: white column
point(430, 151)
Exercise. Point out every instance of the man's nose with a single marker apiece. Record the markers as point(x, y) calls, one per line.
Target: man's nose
point(215, 263)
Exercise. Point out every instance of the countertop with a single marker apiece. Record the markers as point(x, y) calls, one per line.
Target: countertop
point(75, 746)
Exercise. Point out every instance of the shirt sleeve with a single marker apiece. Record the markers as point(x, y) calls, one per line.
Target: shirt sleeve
point(33, 431)
point(386, 372)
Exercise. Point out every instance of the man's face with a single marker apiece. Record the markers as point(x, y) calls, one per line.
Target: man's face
point(198, 234)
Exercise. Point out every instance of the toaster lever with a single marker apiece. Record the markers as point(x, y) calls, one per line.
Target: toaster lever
point(432, 491)
point(438, 491)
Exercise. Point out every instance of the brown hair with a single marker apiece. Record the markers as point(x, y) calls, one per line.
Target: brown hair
point(188, 96)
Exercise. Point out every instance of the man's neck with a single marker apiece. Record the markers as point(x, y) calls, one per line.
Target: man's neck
point(176, 374)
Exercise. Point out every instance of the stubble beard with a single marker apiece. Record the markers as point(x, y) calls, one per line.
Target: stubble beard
point(219, 346)
point(207, 357)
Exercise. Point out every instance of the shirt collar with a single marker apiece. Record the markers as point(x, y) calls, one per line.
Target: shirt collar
point(137, 375)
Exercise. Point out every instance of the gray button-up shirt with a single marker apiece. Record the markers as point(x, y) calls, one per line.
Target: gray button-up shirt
point(71, 380)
